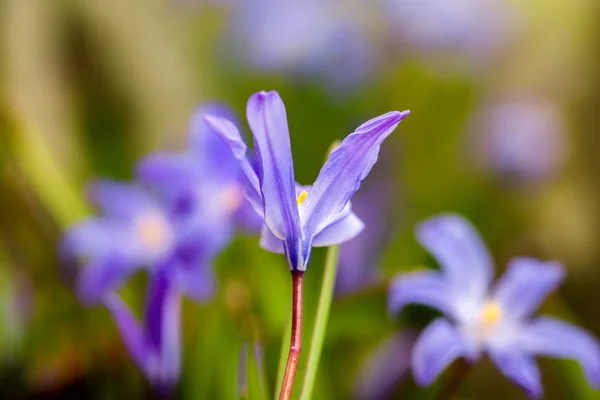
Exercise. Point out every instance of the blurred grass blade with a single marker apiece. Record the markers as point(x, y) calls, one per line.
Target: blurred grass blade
point(320, 327)
point(254, 372)
point(283, 354)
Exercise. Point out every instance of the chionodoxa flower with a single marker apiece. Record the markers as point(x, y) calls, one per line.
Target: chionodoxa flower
point(498, 320)
point(173, 223)
point(298, 217)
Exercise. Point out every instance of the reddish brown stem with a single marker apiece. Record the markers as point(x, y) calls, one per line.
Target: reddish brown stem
point(294, 355)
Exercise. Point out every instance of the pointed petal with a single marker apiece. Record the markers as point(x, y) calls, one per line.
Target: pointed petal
point(195, 281)
point(229, 133)
point(130, 331)
point(101, 276)
point(120, 200)
point(93, 237)
point(423, 287)
point(344, 171)
point(555, 338)
point(170, 173)
point(461, 253)
point(520, 368)
point(212, 154)
point(525, 285)
point(163, 326)
point(270, 242)
point(435, 349)
point(340, 231)
point(268, 121)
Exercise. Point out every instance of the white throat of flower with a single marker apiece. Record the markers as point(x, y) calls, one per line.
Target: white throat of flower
point(154, 232)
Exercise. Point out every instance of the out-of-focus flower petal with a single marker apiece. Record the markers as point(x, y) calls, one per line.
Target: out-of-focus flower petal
point(463, 256)
point(423, 287)
point(520, 368)
point(195, 281)
point(346, 167)
point(555, 338)
point(120, 200)
point(231, 135)
point(130, 330)
point(339, 231)
point(386, 367)
point(163, 331)
point(247, 219)
point(268, 121)
point(94, 237)
point(270, 242)
point(170, 173)
point(525, 285)
point(206, 143)
point(437, 347)
point(101, 276)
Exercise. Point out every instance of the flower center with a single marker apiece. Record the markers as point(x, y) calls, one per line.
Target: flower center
point(153, 230)
point(232, 198)
point(301, 197)
point(491, 313)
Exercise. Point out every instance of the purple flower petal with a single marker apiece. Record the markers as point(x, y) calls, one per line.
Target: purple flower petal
point(555, 338)
point(435, 349)
point(340, 231)
point(163, 326)
point(120, 200)
point(268, 121)
point(94, 237)
point(228, 132)
point(520, 368)
point(463, 256)
point(270, 242)
point(213, 156)
point(102, 275)
point(344, 170)
point(525, 285)
point(130, 331)
point(195, 281)
point(170, 173)
point(422, 287)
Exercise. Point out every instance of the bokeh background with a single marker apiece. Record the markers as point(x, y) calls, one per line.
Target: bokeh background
point(504, 129)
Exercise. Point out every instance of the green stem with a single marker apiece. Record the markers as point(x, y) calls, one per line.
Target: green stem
point(318, 336)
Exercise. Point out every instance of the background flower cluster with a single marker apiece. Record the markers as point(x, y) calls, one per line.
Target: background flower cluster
point(97, 99)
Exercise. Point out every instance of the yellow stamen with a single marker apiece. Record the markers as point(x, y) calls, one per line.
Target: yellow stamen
point(491, 313)
point(302, 197)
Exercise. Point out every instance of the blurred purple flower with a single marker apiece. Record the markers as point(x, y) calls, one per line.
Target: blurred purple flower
point(299, 217)
point(360, 257)
point(471, 29)
point(385, 367)
point(520, 139)
point(495, 320)
point(155, 344)
point(303, 37)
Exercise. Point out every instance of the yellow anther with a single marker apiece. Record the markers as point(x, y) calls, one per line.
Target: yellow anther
point(301, 197)
point(153, 231)
point(491, 313)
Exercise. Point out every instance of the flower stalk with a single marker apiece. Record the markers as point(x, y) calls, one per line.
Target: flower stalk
point(296, 337)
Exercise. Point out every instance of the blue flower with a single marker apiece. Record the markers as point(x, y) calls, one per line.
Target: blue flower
point(520, 139)
point(312, 38)
point(299, 217)
point(155, 344)
point(498, 320)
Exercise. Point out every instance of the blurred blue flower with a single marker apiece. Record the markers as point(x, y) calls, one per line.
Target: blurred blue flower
point(521, 139)
point(155, 344)
point(495, 320)
point(303, 37)
point(360, 257)
point(471, 29)
point(299, 217)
